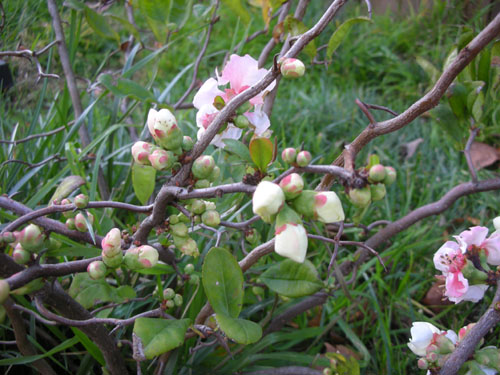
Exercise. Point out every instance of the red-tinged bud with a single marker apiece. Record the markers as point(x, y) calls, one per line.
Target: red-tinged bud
point(327, 207)
point(292, 185)
point(20, 255)
point(360, 197)
point(179, 230)
point(267, 200)
point(4, 291)
point(489, 357)
point(165, 130)
point(67, 214)
point(80, 223)
point(377, 192)
point(203, 166)
point(114, 261)
point(31, 238)
point(168, 293)
point(148, 256)
point(252, 236)
point(289, 155)
point(292, 68)
point(111, 243)
point(210, 218)
point(141, 151)
point(97, 270)
point(390, 175)
point(423, 364)
point(303, 158)
point(81, 201)
point(190, 248)
point(187, 143)
point(70, 223)
point(198, 207)
point(161, 159)
point(464, 330)
point(291, 237)
point(431, 355)
point(178, 300)
point(214, 175)
point(377, 173)
point(8, 237)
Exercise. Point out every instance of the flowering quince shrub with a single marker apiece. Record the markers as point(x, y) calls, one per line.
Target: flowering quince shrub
point(215, 236)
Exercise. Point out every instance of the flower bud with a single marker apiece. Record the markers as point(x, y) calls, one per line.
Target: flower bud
point(252, 236)
point(202, 184)
point(189, 269)
point(170, 304)
point(291, 237)
point(444, 344)
point(67, 214)
point(292, 185)
point(496, 223)
point(111, 243)
point(179, 230)
point(168, 293)
point(141, 151)
point(327, 371)
point(20, 255)
point(215, 174)
point(113, 261)
point(377, 192)
point(80, 223)
point(303, 158)
point(70, 223)
point(210, 218)
point(203, 166)
point(377, 173)
point(31, 238)
point(81, 201)
point(187, 143)
point(163, 127)
point(4, 291)
point(360, 197)
point(173, 219)
point(431, 354)
point(178, 300)
point(183, 218)
point(194, 279)
point(8, 237)
point(390, 175)
point(190, 247)
point(267, 200)
point(423, 364)
point(289, 155)
point(241, 122)
point(161, 159)
point(97, 270)
point(488, 356)
point(464, 330)
point(198, 207)
point(210, 205)
point(327, 207)
point(292, 68)
point(148, 256)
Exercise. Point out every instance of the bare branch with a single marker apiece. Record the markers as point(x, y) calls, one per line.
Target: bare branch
point(34, 165)
point(34, 136)
point(381, 108)
point(367, 113)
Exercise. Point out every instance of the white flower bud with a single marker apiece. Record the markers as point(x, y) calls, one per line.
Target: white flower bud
point(291, 242)
point(422, 334)
point(267, 200)
point(328, 207)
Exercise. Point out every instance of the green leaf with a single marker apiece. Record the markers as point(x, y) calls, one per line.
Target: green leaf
point(477, 108)
point(88, 344)
point(238, 148)
point(428, 68)
point(66, 187)
point(88, 292)
point(341, 32)
point(100, 25)
point(123, 87)
point(223, 282)
point(143, 180)
point(157, 14)
point(296, 27)
point(373, 160)
point(292, 279)
point(126, 292)
point(159, 269)
point(355, 341)
point(158, 336)
point(457, 98)
point(240, 330)
point(483, 70)
point(238, 9)
point(32, 358)
point(261, 152)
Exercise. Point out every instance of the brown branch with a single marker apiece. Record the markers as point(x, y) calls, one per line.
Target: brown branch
point(472, 135)
point(34, 136)
point(367, 113)
point(381, 108)
point(428, 101)
point(466, 347)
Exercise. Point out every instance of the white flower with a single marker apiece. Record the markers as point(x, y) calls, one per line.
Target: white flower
point(267, 200)
point(422, 334)
point(291, 242)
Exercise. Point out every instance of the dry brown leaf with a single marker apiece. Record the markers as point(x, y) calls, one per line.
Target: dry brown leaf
point(409, 149)
point(435, 298)
point(342, 349)
point(483, 155)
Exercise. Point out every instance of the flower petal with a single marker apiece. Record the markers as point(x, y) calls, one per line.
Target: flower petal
point(442, 254)
point(456, 285)
point(473, 236)
point(259, 119)
point(492, 245)
point(207, 93)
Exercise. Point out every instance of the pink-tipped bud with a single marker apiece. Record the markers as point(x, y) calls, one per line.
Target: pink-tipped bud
point(68, 214)
point(327, 207)
point(267, 200)
point(423, 364)
point(203, 166)
point(210, 218)
point(20, 255)
point(187, 143)
point(360, 197)
point(31, 238)
point(431, 353)
point(114, 261)
point(291, 241)
point(198, 206)
point(141, 151)
point(97, 270)
point(4, 291)
point(81, 201)
point(390, 175)
point(168, 293)
point(70, 223)
point(111, 243)
point(292, 68)
point(292, 185)
point(163, 127)
point(252, 236)
point(303, 158)
point(289, 155)
point(161, 159)
point(8, 237)
point(148, 256)
point(377, 173)
point(377, 191)
point(80, 223)
point(464, 330)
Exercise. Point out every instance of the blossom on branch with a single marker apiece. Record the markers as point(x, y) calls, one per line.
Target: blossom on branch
point(424, 334)
point(241, 73)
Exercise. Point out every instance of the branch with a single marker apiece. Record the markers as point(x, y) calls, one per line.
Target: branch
point(428, 101)
point(466, 347)
point(34, 136)
point(34, 165)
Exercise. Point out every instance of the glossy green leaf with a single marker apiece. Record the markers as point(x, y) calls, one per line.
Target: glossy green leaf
point(457, 98)
point(89, 292)
point(238, 148)
point(237, 7)
point(261, 152)
point(223, 282)
point(66, 187)
point(240, 330)
point(341, 32)
point(32, 358)
point(143, 180)
point(292, 279)
point(158, 336)
point(100, 25)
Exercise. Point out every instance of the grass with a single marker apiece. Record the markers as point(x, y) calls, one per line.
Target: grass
point(375, 63)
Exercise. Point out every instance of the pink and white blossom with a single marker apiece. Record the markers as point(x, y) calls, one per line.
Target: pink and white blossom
point(476, 237)
point(241, 72)
point(424, 334)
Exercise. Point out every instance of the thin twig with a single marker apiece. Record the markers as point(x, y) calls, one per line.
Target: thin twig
point(34, 165)
point(367, 113)
point(472, 135)
point(381, 108)
point(336, 247)
point(34, 136)
point(369, 7)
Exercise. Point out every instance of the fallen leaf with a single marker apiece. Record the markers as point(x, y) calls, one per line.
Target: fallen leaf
point(483, 155)
point(342, 349)
point(409, 149)
point(435, 298)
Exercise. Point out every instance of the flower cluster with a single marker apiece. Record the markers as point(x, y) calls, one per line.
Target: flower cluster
point(240, 72)
point(465, 263)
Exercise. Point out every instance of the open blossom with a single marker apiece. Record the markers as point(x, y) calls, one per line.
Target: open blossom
point(241, 72)
point(450, 260)
point(424, 334)
point(476, 237)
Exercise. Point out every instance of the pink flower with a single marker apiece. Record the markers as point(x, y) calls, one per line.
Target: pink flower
point(241, 73)
point(476, 237)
